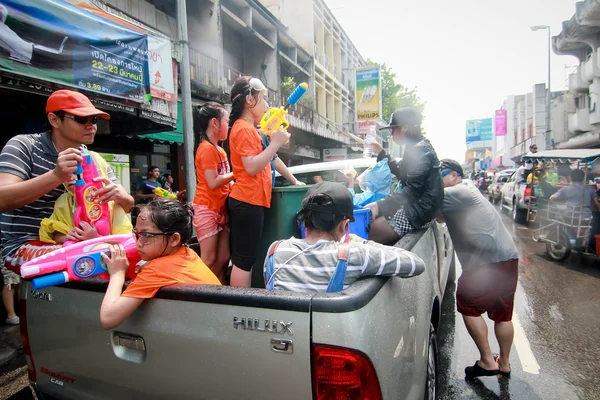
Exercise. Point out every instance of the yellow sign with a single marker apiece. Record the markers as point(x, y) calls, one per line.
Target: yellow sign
point(368, 94)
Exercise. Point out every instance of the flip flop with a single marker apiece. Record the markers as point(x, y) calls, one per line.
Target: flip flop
point(506, 374)
point(476, 370)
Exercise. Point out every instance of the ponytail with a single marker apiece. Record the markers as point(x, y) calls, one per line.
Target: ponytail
point(202, 117)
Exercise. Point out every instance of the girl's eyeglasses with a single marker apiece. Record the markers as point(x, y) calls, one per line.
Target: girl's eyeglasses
point(93, 119)
point(147, 236)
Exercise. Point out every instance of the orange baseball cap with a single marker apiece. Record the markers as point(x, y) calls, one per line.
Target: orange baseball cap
point(74, 103)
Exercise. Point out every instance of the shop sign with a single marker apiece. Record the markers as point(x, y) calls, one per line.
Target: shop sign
point(307, 151)
point(335, 154)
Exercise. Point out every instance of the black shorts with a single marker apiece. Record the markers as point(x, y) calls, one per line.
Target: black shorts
point(246, 226)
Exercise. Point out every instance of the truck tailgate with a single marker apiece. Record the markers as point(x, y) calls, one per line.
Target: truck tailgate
point(192, 342)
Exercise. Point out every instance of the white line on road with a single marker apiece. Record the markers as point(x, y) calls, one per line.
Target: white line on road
point(526, 356)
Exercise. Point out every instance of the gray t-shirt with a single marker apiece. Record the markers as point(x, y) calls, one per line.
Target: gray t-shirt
point(29, 156)
point(572, 195)
point(476, 229)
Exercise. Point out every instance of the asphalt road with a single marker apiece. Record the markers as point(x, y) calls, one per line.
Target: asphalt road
point(557, 330)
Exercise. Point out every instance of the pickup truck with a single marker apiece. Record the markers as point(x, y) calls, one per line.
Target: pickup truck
point(375, 340)
point(515, 198)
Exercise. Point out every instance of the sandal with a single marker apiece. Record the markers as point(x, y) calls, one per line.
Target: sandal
point(476, 370)
point(506, 374)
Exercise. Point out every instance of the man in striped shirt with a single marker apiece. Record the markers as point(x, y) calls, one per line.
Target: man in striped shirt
point(313, 264)
point(32, 171)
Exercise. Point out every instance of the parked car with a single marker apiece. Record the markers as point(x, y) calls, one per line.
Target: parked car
point(495, 188)
point(515, 198)
point(376, 339)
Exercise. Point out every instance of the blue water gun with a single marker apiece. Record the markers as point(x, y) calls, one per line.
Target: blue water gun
point(275, 117)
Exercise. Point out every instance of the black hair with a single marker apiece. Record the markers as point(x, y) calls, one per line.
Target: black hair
point(202, 116)
point(577, 175)
point(167, 175)
point(152, 168)
point(240, 89)
point(320, 220)
point(170, 215)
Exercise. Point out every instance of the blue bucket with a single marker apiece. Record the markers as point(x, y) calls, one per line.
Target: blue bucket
point(360, 226)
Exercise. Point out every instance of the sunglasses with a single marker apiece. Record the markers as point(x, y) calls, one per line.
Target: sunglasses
point(93, 119)
point(253, 84)
point(148, 235)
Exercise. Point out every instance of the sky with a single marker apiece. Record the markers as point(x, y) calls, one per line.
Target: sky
point(464, 57)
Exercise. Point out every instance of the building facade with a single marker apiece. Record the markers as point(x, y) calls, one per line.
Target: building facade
point(580, 37)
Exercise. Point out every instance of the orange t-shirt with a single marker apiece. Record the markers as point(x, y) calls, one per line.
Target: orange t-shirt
point(184, 266)
point(244, 141)
point(209, 156)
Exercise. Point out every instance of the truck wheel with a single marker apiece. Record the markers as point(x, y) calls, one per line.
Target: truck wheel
point(519, 216)
point(431, 379)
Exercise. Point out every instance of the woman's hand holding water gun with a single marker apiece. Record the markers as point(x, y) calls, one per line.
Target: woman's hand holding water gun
point(279, 137)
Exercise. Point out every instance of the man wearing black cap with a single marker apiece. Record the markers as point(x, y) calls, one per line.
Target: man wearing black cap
point(489, 261)
point(420, 199)
point(302, 265)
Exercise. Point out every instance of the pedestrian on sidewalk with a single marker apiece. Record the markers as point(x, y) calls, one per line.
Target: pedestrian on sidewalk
point(489, 261)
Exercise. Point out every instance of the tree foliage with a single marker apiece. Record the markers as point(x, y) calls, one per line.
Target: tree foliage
point(396, 95)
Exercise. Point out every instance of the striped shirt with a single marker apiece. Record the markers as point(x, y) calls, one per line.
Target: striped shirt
point(29, 156)
point(300, 267)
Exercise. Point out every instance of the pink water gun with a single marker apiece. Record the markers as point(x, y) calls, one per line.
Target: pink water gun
point(79, 261)
point(85, 191)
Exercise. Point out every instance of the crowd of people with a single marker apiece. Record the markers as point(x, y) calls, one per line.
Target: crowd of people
point(235, 167)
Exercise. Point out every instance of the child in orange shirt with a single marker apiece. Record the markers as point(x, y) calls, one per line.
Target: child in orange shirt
point(211, 122)
point(251, 194)
point(162, 228)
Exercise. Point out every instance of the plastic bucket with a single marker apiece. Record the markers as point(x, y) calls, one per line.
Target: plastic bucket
point(360, 226)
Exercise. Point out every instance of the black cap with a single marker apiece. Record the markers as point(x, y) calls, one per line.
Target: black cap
point(407, 116)
point(452, 165)
point(334, 198)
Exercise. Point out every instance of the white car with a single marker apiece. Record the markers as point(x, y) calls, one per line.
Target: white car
point(327, 171)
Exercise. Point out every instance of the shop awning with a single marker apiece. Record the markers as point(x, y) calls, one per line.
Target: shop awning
point(175, 136)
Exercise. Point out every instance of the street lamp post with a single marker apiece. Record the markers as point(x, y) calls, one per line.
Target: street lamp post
point(549, 94)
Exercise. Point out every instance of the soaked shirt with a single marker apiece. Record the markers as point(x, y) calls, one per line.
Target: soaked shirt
point(479, 236)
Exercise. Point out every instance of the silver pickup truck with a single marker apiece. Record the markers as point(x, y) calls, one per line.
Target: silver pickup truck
point(376, 340)
point(515, 198)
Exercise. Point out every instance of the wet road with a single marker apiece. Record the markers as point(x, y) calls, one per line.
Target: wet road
point(557, 332)
point(557, 339)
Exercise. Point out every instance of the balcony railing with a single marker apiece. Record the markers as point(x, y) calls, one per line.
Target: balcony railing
point(230, 76)
point(317, 53)
point(204, 69)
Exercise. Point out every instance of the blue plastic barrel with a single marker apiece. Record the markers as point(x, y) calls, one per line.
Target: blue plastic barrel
point(360, 226)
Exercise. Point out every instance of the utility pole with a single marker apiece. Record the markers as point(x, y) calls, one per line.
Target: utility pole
point(186, 100)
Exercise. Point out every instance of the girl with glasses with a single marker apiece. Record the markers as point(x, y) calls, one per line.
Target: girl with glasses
point(162, 229)
point(252, 166)
point(214, 176)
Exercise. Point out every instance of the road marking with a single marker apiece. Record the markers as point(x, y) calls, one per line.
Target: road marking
point(524, 352)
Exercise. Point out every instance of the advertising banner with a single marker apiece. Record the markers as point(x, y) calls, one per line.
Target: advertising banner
point(500, 122)
point(365, 127)
point(161, 70)
point(479, 130)
point(64, 43)
point(368, 94)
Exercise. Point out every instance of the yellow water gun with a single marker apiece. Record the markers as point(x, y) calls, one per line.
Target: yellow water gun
point(275, 117)
point(160, 192)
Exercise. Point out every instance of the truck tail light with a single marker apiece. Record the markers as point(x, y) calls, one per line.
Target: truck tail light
point(25, 340)
point(343, 374)
point(527, 194)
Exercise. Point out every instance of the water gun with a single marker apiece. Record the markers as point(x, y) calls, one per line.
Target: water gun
point(79, 261)
point(160, 192)
point(85, 192)
point(275, 117)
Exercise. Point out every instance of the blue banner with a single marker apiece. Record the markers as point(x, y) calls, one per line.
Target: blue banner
point(77, 46)
point(479, 130)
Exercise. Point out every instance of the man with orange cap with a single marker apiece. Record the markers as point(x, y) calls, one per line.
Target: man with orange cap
point(33, 169)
